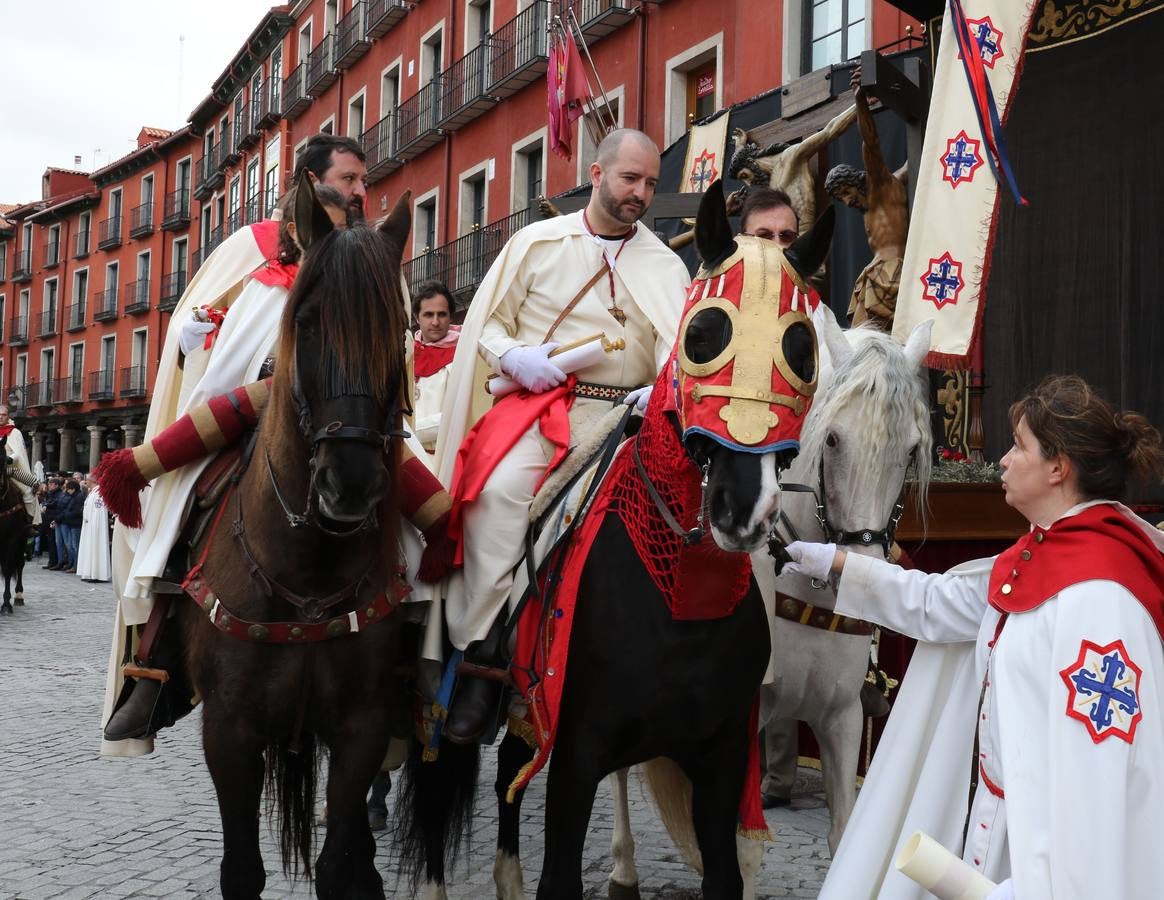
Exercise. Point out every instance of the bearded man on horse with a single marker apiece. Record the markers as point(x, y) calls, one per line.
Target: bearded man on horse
point(556, 282)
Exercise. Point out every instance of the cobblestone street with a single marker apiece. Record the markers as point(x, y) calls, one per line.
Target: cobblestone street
point(74, 825)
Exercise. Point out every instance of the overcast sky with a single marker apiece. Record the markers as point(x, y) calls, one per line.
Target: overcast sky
point(82, 78)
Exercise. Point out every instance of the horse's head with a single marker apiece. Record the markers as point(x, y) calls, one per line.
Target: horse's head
point(342, 353)
point(869, 424)
point(746, 368)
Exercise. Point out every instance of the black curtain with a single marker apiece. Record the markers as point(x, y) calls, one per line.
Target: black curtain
point(1076, 279)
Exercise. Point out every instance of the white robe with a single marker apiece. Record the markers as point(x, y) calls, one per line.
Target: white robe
point(18, 453)
point(93, 547)
point(1079, 817)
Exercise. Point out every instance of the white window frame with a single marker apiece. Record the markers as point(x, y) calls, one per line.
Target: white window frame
point(22, 370)
point(55, 233)
point(307, 28)
point(675, 100)
point(149, 265)
point(49, 353)
point(397, 65)
point(464, 199)
point(793, 51)
point(24, 305)
point(615, 95)
point(422, 200)
point(108, 339)
point(519, 171)
point(328, 123)
point(69, 370)
point(143, 344)
point(425, 54)
point(153, 183)
point(362, 96)
point(56, 283)
point(473, 18)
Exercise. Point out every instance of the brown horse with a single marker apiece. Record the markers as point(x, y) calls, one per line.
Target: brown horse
point(298, 571)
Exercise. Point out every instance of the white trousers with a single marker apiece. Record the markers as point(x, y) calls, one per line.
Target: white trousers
point(495, 528)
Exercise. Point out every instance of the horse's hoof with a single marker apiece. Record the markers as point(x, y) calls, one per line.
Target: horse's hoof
point(618, 891)
point(19, 600)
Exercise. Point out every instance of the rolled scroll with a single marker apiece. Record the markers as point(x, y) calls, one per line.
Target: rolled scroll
point(569, 358)
point(940, 872)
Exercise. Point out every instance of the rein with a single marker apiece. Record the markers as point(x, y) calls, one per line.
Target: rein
point(690, 536)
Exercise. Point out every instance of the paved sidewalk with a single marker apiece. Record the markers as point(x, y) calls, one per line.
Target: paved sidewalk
point(74, 825)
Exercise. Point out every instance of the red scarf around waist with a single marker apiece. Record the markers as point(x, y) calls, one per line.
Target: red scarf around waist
point(1098, 544)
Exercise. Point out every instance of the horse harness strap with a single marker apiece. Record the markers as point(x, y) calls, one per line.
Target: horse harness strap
point(795, 610)
point(198, 589)
point(692, 536)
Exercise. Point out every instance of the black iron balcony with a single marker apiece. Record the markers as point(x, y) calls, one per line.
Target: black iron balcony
point(461, 264)
point(101, 384)
point(253, 210)
point(416, 120)
point(137, 296)
point(52, 254)
point(383, 15)
point(265, 103)
point(75, 316)
point(82, 245)
point(68, 389)
point(48, 322)
point(38, 394)
point(172, 287)
point(321, 66)
point(133, 381)
point(519, 50)
point(463, 97)
point(351, 36)
point(246, 133)
point(109, 233)
point(176, 210)
point(379, 143)
point(23, 269)
point(208, 174)
point(596, 18)
point(234, 221)
point(295, 96)
point(18, 334)
point(105, 305)
point(231, 152)
point(141, 220)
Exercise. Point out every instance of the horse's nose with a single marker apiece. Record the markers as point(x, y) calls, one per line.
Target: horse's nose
point(351, 491)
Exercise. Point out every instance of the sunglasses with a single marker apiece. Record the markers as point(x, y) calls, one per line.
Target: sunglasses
point(787, 236)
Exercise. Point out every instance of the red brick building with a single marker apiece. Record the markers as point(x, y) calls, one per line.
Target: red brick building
point(447, 98)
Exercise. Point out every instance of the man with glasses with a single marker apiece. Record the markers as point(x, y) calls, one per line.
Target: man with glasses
point(768, 213)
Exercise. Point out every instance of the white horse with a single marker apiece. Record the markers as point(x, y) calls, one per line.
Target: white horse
point(868, 424)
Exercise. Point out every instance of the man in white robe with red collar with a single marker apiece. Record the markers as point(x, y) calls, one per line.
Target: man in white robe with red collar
point(434, 346)
point(556, 282)
point(18, 467)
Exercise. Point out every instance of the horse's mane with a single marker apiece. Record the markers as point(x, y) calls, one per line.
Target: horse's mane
point(362, 319)
point(886, 394)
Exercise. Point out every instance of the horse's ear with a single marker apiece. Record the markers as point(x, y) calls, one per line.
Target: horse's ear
point(840, 351)
point(917, 345)
point(713, 232)
point(312, 222)
point(810, 249)
point(398, 222)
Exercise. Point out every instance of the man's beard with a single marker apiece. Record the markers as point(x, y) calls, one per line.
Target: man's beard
point(628, 212)
point(355, 211)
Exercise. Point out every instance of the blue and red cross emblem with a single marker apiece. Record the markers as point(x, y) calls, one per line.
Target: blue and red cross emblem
point(1103, 691)
point(703, 172)
point(961, 159)
point(989, 40)
point(943, 280)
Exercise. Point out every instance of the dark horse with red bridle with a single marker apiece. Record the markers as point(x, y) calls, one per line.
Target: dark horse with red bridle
point(13, 534)
point(644, 681)
point(302, 556)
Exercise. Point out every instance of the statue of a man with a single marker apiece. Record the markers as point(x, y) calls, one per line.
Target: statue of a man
point(881, 195)
point(785, 166)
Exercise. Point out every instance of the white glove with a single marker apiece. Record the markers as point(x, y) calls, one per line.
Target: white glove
point(531, 368)
point(810, 559)
point(193, 334)
point(1004, 891)
point(640, 397)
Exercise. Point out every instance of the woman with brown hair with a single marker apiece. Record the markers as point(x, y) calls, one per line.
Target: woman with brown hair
point(1063, 770)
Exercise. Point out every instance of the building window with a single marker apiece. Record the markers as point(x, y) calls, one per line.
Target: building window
point(328, 127)
point(276, 78)
point(425, 234)
point(52, 253)
point(115, 205)
point(330, 15)
point(478, 21)
point(390, 90)
point(431, 55)
point(76, 371)
point(304, 42)
point(21, 370)
point(48, 323)
point(473, 200)
point(254, 192)
point(235, 220)
point(108, 353)
point(356, 116)
point(834, 30)
point(693, 87)
point(528, 173)
point(3, 259)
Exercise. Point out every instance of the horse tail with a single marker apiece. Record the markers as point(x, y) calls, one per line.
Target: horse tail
point(434, 809)
point(671, 790)
point(292, 772)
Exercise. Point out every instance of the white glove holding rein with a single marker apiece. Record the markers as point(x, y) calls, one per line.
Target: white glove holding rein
point(810, 559)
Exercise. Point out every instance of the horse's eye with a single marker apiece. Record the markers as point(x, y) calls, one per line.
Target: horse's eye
point(799, 352)
point(831, 439)
point(707, 334)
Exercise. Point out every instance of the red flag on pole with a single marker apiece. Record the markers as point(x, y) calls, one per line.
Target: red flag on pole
point(559, 123)
point(576, 86)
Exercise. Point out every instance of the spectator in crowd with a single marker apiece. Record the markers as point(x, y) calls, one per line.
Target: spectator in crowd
point(70, 517)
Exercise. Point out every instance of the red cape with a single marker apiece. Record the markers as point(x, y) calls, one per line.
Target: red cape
point(1098, 544)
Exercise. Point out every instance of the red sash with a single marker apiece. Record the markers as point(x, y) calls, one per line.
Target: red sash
point(6, 430)
point(429, 359)
point(1098, 544)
